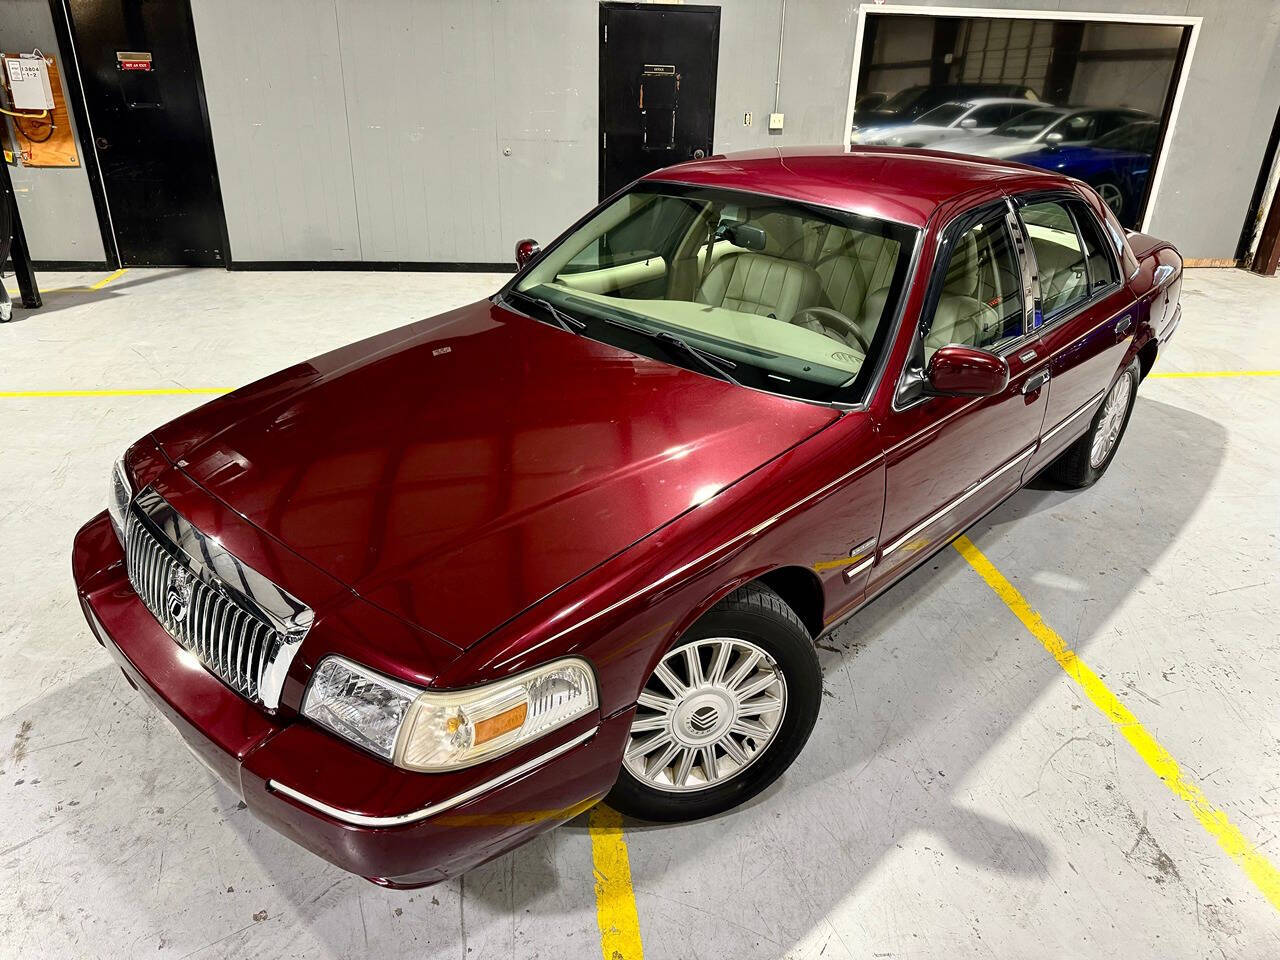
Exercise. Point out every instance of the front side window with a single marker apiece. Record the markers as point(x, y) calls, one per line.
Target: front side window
point(1060, 256)
point(981, 300)
point(776, 295)
point(1027, 125)
point(1077, 128)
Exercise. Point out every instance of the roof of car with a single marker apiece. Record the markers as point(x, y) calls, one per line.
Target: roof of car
point(891, 183)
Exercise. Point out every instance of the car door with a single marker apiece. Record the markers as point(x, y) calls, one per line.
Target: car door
point(949, 459)
point(1088, 313)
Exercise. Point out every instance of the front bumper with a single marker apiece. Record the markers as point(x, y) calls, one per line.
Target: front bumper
point(395, 827)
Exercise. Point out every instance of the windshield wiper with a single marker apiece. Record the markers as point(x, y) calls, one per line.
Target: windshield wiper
point(572, 324)
point(709, 361)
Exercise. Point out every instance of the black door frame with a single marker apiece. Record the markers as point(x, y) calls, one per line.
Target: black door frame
point(64, 31)
point(605, 7)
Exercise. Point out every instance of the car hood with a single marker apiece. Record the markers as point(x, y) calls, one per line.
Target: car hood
point(457, 470)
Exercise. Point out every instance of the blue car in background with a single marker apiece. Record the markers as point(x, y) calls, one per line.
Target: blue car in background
point(1116, 165)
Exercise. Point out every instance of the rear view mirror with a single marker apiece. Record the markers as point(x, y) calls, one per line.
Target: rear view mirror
point(959, 371)
point(968, 123)
point(526, 250)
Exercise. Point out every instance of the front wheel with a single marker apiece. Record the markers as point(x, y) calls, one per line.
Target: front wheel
point(1082, 463)
point(724, 713)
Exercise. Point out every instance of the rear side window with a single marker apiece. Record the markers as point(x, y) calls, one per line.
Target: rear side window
point(1070, 253)
point(1102, 269)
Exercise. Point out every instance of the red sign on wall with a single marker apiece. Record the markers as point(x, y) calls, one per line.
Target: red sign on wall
point(133, 60)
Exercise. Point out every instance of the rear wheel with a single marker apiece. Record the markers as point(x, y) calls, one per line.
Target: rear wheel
point(1082, 463)
point(724, 713)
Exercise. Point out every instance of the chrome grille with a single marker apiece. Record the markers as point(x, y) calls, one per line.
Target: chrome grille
point(244, 629)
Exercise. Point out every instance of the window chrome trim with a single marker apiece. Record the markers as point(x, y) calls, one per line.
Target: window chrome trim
point(431, 809)
point(948, 507)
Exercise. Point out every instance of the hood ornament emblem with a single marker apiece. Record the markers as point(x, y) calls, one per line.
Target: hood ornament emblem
point(177, 594)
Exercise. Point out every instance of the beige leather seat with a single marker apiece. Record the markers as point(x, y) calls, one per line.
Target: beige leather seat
point(961, 317)
point(851, 264)
point(761, 284)
point(1062, 274)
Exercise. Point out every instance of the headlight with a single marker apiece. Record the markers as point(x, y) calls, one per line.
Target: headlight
point(430, 730)
point(118, 497)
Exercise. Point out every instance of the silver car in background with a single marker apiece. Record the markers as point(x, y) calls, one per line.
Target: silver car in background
point(966, 118)
point(1044, 126)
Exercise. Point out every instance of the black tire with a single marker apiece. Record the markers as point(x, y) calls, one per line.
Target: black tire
point(756, 615)
point(1074, 467)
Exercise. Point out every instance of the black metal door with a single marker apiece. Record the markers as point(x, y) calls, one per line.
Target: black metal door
point(657, 87)
point(145, 97)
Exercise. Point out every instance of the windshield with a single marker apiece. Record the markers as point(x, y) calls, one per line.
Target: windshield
point(772, 294)
point(1140, 137)
point(903, 99)
point(1027, 124)
point(944, 115)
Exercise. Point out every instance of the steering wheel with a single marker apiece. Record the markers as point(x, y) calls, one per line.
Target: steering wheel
point(835, 321)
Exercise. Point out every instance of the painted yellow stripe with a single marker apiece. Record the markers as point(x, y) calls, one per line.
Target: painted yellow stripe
point(81, 289)
point(615, 899)
point(105, 280)
point(1260, 870)
point(159, 392)
point(1209, 374)
point(822, 565)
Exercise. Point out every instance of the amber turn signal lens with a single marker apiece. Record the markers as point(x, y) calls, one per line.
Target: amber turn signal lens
point(501, 723)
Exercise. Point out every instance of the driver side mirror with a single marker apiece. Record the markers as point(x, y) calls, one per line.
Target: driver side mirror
point(1053, 139)
point(968, 123)
point(958, 371)
point(526, 250)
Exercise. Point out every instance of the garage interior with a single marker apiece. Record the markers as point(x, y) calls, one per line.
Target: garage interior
point(972, 788)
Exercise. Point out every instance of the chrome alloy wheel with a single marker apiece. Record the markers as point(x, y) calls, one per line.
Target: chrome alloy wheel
point(710, 709)
point(1111, 422)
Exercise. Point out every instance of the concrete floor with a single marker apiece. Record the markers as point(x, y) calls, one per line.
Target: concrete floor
point(959, 798)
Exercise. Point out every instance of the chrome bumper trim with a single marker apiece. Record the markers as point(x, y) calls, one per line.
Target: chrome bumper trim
point(413, 816)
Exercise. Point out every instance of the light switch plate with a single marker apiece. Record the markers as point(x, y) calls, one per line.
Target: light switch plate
point(775, 121)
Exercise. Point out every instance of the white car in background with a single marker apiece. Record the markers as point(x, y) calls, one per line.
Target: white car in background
point(967, 118)
point(1044, 126)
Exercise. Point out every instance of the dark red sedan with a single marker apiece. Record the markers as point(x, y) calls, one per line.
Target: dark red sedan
point(425, 596)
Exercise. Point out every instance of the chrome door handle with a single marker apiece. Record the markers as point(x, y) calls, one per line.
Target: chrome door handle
point(1036, 382)
point(1123, 325)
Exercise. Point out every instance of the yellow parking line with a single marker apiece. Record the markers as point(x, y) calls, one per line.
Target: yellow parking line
point(93, 286)
point(1260, 870)
point(1207, 374)
point(159, 392)
point(105, 280)
point(615, 899)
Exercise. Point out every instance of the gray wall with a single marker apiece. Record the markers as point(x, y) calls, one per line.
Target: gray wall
point(55, 203)
point(397, 130)
point(380, 129)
